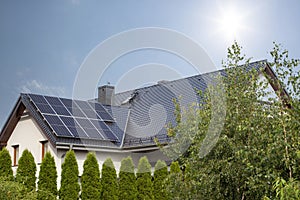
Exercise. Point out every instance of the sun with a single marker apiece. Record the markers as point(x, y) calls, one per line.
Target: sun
point(230, 22)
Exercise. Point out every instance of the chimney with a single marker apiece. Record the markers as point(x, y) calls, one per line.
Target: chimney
point(106, 94)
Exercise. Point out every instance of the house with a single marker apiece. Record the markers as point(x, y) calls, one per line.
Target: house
point(113, 125)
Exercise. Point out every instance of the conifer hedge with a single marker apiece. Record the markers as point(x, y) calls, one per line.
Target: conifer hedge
point(127, 180)
point(47, 177)
point(144, 180)
point(109, 181)
point(5, 165)
point(69, 186)
point(26, 170)
point(160, 176)
point(90, 179)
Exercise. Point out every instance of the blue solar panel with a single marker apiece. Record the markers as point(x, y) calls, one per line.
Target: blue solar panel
point(38, 99)
point(75, 129)
point(61, 130)
point(72, 118)
point(60, 110)
point(44, 108)
point(90, 113)
point(82, 104)
point(54, 101)
point(76, 112)
point(101, 111)
point(53, 120)
point(104, 129)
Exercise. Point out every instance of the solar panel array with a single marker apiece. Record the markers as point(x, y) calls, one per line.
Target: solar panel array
point(75, 118)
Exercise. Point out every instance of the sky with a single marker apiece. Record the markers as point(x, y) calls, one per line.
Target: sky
point(43, 44)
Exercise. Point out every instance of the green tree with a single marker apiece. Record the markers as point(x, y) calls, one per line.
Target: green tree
point(109, 182)
point(26, 170)
point(127, 180)
point(47, 176)
point(174, 167)
point(5, 164)
point(144, 179)
point(69, 186)
point(160, 176)
point(257, 144)
point(11, 190)
point(90, 179)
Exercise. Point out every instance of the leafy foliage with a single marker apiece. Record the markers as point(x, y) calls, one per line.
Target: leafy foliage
point(47, 176)
point(127, 180)
point(160, 176)
point(109, 181)
point(69, 186)
point(26, 170)
point(259, 140)
point(5, 165)
point(144, 179)
point(90, 179)
point(11, 190)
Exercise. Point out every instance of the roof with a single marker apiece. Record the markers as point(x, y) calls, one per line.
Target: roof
point(135, 119)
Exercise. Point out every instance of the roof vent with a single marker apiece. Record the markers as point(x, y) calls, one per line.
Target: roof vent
point(106, 94)
point(163, 82)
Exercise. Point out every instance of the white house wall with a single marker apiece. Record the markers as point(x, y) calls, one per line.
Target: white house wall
point(28, 135)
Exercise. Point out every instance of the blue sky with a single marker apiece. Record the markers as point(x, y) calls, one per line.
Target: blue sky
point(43, 43)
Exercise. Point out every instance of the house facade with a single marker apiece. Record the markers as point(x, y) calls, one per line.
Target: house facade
point(112, 125)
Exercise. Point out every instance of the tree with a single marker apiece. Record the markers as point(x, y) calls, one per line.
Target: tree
point(90, 179)
point(144, 179)
point(109, 180)
point(258, 143)
point(69, 186)
point(160, 176)
point(47, 176)
point(127, 180)
point(26, 170)
point(174, 167)
point(5, 165)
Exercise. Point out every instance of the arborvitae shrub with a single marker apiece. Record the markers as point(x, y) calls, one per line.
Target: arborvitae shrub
point(69, 186)
point(26, 170)
point(160, 176)
point(47, 176)
point(127, 180)
point(109, 181)
point(90, 179)
point(5, 165)
point(144, 179)
point(174, 168)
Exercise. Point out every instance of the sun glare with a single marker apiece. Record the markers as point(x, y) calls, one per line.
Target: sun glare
point(229, 22)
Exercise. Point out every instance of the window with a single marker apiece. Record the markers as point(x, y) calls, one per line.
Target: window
point(44, 147)
point(16, 154)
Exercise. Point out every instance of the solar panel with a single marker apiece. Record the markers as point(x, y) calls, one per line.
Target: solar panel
point(74, 118)
point(60, 110)
point(104, 129)
point(38, 99)
point(57, 125)
point(54, 101)
point(53, 120)
point(44, 108)
point(61, 130)
point(101, 111)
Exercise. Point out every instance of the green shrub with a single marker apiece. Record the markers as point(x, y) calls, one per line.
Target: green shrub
point(109, 181)
point(47, 176)
point(144, 180)
point(127, 180)
point(69, 186)
point(160, 176)
point(90, 179)
point(5, 165)
point(26, 170)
